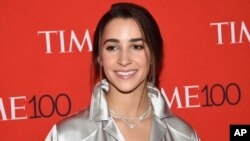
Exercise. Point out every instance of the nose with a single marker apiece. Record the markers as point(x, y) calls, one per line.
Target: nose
point(124, 57)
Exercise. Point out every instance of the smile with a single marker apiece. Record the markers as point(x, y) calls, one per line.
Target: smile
point(125, 74)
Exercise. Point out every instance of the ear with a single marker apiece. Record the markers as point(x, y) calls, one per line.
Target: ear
point(99, 60)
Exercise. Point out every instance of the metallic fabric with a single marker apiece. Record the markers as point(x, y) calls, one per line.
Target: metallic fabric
point(94, 123)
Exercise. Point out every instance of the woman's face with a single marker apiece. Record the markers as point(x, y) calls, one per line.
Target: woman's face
point(125, 56)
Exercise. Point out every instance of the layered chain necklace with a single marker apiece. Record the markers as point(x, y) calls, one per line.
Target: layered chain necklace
point(136, 120)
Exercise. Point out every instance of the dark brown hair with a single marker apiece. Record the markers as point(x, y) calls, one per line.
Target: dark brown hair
point(150, 31)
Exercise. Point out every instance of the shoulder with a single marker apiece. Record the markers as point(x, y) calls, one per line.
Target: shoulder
point(77, 125)
point(178, 126)
point(80, 117)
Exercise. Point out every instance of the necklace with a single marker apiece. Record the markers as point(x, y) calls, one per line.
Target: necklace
point(136, 120)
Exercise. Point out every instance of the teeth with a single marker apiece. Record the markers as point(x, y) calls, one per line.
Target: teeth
point(125, 73)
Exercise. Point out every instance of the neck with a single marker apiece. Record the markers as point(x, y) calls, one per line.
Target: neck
point(128, 104)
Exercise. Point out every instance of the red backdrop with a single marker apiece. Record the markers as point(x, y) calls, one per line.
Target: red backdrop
point(45, 62)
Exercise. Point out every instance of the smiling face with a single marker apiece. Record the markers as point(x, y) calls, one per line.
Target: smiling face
point(124, 55)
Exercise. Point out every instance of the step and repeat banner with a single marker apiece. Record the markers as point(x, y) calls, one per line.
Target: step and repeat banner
point(45, 62)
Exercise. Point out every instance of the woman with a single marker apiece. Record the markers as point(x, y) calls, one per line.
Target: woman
point(125, 103)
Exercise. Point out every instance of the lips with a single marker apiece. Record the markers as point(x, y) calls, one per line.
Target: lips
point(125, 74)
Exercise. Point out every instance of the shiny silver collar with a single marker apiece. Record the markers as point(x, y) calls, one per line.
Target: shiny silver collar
point(99, 107)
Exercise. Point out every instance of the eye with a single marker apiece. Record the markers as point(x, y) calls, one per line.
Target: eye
point(137, 47)
point(111, 48)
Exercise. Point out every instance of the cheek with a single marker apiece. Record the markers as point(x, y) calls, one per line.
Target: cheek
point(105, 58)
point(147, 61)
point(143, 61)
point(107, 62)
point(144, 58)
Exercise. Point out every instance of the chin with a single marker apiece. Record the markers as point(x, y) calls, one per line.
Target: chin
point(126, 90)
point(128, 87)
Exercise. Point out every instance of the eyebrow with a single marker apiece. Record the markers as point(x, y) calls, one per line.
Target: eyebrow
point(117, 41)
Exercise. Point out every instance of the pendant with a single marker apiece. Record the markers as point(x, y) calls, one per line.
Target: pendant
point(131, 126)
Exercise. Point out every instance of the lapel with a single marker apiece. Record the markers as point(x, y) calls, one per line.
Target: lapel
point(112, 129)
point(99, 107)
point(99, 111)
point(161, 111)
point(158, 130)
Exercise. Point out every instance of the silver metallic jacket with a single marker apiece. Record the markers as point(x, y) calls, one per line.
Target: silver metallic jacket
point(95, 123)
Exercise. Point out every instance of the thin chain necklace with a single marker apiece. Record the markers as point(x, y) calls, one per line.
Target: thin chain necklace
point(136, 119)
